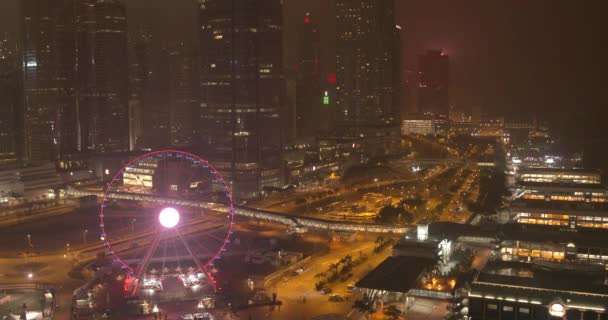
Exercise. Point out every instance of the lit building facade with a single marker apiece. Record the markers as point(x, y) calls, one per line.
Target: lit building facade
point(433, 82)
point(242, 91)
point(29, 181)
point(563, 193)
point(310, 116)
point(140, 177)
point(563, 176)
point(10, 108)
point(485, 128)
point(48, 92)
point(183, 94)
point(572, 218)
point(103, 75)
point(418, 125)
point(140, 71)
point(367, 60)
point(518, 291)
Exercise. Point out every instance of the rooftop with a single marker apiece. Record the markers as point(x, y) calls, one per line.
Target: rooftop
point(396, 274)
point(582, 237)
point(513, 281)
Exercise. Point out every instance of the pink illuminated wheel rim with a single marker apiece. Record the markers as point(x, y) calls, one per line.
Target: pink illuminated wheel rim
point(166, 213)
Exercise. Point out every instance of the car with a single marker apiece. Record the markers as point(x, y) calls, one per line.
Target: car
point(186, 317)
point(350, 287)
point(335, 298)
point(326, 290)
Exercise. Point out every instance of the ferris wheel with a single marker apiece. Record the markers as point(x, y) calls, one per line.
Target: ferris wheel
point(166, 213)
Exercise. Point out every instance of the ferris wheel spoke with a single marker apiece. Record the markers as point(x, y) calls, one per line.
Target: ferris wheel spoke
point(144, 263)
point(221, 240)
point(173, 241)
point(196, 260)
point(162, 273)
point(204, 248)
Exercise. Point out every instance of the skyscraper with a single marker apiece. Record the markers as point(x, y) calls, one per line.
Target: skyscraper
point(9, 102)
point(140, 72)
point(433, 83)
point(183, 94)
point(309, 80)
point(242, 91)
point(366, 57)
point(47, 33)
point(102, 69)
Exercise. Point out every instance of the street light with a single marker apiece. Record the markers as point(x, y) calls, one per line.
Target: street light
point(84, 235)
point(29, 241)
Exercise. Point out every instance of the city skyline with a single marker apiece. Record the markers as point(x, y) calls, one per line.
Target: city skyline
point(287, 159)
point(510, 25)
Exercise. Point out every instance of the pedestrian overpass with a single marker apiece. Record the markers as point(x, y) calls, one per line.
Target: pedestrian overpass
point(252, 213)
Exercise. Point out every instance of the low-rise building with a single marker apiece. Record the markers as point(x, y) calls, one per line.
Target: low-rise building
point(562, 192)
point(515, 290)
point(561, 213)
point(423, 124)
point(30, 180)
point(561, 176)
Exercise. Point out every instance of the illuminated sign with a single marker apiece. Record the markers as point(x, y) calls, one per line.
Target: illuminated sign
point(326, 98)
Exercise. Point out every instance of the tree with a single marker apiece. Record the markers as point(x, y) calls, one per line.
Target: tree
point(333, 267)
point(348, 260)
point(390, 214)
point(321, 275)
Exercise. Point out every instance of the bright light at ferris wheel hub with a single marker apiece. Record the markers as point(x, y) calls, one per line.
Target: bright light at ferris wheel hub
point(168, 217)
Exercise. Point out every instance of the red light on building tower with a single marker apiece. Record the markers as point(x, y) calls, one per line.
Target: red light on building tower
point(331, 78)
point(307, 19)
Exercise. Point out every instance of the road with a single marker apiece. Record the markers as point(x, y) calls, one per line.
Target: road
point(292, 291)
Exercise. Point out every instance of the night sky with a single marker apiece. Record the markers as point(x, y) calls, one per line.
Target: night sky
point(520, 58)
